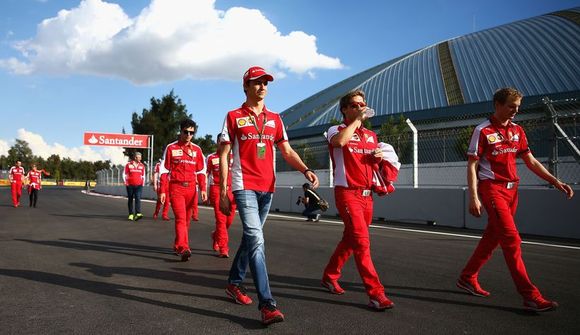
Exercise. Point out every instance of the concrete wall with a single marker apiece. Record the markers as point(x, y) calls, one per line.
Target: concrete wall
point(544, 212)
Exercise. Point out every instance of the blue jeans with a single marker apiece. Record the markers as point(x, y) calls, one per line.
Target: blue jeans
point(311, 212)
point(134, 192)
point(253, 207)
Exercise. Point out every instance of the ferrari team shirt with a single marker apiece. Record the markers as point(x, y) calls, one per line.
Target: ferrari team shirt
point(253, 138)
point(353, 163)
point(497, 147)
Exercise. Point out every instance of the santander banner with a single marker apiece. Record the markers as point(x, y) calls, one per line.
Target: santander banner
point(116, 140)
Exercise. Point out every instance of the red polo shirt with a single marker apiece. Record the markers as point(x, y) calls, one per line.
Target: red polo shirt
point(134, 174)
point(497, 147)
point(213, 169)
point(16, 174)
point(35, 179)
point(182, 162)
point(353, 163)
point(252, 169)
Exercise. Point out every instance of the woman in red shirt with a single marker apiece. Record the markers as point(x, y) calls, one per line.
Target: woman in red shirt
point(34, 178)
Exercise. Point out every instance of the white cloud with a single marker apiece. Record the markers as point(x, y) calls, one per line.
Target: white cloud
point(169, 40)
point(4, 147)
point(40, 148)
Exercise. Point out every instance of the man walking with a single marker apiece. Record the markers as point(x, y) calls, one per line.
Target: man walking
point(220, 237)
point(182, 161)
point(16, 176)
point(134, 177)
point(492, 180)
point(354, 152)
point(251, 132)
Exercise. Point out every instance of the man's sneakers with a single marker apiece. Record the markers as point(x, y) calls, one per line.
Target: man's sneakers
point(317, 218)
point(131, 217)
point(539, 304)
point(155, 216)
point(238, 293)
point(472, 287)
point(185, 255)
point(138, 216)
point(165, 218)
point(271, 314)
point(223, 254)
point(332, 286)
point(380, 302)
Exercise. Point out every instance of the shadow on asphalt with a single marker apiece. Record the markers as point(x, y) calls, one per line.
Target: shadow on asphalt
point(117, 248)
point(281, 282)
point(118, 291)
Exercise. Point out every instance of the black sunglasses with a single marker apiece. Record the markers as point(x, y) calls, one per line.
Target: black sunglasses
point(187, 132)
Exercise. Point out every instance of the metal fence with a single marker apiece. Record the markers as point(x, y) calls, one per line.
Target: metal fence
point(442, 146)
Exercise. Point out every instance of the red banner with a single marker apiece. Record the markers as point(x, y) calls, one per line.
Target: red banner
point(117, 140)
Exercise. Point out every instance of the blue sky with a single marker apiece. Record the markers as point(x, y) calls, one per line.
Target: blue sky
point(71, 66)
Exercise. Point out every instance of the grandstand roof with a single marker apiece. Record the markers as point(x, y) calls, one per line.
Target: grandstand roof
point(539, 56)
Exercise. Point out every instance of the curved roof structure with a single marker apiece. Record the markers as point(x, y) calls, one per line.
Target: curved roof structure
point(539, 56)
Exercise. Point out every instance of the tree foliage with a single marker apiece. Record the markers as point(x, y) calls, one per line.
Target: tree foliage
point(206, 143)
point(161, 120)
point(395, 131)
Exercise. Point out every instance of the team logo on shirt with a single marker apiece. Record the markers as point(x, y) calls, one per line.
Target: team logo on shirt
point(493, 138)
point(355, 137)
point(215, 161)
point(516, 138)
point(243, 122)
point(271, 124)
point(370, 139)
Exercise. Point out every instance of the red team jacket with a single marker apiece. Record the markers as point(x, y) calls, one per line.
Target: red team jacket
point(182, 163)
point(134, 174)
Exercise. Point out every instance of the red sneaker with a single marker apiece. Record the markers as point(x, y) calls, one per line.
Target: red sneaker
point(332, 286)
point(185, 255)
point(540, 304)
point(381, 302)
point(271, 314)
point(224, 254)
point(155, 216)
point(238, 293)
point(472, 287)
point(166, 218)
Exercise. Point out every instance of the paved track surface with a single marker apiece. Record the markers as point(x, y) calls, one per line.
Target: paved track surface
point(75, 265)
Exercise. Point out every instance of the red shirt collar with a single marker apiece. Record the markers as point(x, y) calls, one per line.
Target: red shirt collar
point(248, 110)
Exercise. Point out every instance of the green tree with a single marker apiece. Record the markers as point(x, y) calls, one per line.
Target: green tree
point(53, 165)
point(462, 141)
point(161, 120)
point(206, 143)
point(396, 133)
point(308, 157)
point(20, 151)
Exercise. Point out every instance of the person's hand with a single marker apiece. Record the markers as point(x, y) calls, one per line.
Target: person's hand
point(162, 198)
point(378, 153)
point(312, 178)
point(475, 207)
point(204, 196)
point(225, 205)
point(564, 188)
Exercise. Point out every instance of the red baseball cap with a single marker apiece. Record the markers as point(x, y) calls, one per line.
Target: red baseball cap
point(256, 72)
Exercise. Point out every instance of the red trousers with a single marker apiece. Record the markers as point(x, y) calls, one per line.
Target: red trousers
point(165, 212)
point(16, 188)
point(356, 212)
point(222, 221)
point(500, 204)
point(182, 198)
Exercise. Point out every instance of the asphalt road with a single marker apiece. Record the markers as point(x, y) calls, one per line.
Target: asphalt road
point(75, 265)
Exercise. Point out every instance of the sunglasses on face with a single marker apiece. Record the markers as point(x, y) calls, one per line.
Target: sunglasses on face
point(187, 132)
point(357, 105)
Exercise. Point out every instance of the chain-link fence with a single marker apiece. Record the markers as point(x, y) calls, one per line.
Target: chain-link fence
point(442, 146)
point(112, 176)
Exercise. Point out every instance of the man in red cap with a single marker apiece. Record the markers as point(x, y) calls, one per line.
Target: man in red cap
point(16, 175)
point(182, 161)
point(251, 132)
point(492, 182)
